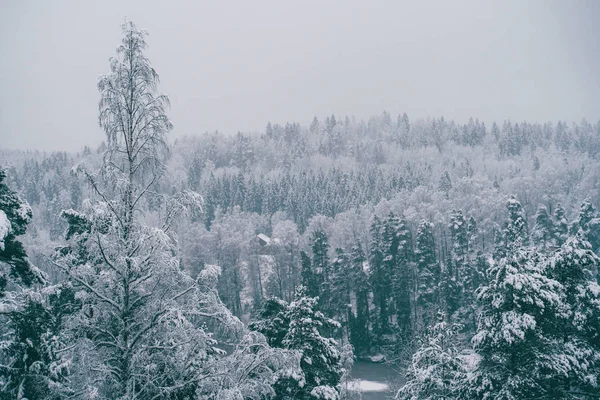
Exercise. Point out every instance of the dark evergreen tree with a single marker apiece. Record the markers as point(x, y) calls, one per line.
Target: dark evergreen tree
point(459, 235)
point(560, 229)
point(340, 289)
point(272, 321)
point(514, 340)
point(389, 245)
point(320, 358)
point(379, 276)
point(31, 321)
point(542, 232)
point(309, 278)
point(359, 329)
point(321, 267)
point(588, 222)
point(445, 183)
point(402, 279)
point(577, 327)
point(15, 215)
point(515, 230)
point(429, 273)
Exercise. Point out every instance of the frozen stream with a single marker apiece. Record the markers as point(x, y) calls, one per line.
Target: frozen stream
point(374, 380)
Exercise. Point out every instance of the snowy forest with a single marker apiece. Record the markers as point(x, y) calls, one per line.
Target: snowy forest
point(263, 265)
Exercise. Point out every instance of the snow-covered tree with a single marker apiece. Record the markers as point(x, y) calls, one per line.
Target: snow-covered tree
point(24, 321)
point(515, 231)
point(320, 264)
point(341, 287)
point(436, 370)
point(577, 327)
point(428, 271)
point(445, 183)
point(33, 366)
point(250, 371)
point(514, 335)
point(320, 358)
point(359, 325)
point(15, 215)
point(588, 222)
point(378, 276)
point(560, 227)
point(542, 232)
point(272, 321)
point(308, 276)
point(143, 320)
point(402, 278)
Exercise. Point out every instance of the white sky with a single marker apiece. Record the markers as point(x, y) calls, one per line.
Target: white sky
point(234, 65)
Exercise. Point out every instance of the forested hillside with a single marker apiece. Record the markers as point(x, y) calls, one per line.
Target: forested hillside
point(472, 246)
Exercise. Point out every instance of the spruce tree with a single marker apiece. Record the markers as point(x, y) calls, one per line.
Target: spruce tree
point(459, 235)
point(359, 330)
point(309, 278)
point(25, 354)
point(402, 279)
point(542, 232)
point(15, 215)
point(514, 334)
point(321, 267)
point(445, 183)
point(384, 279)
point(272, 321)
point(577, 328)
point(320, 359)
point(429, 274)
point(459, 289)
point(377, 275)
point(340, 287)
point(588, 222)
point(560, 226)
point(514, 231)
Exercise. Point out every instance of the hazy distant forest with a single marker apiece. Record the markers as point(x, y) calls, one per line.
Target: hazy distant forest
point(261, 264)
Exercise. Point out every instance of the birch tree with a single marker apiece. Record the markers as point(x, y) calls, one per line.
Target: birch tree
point(143, 330)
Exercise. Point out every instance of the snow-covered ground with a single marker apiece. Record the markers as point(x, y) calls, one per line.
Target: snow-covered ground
point(359, 385)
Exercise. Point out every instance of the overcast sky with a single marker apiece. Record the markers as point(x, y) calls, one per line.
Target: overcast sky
point(232, 66)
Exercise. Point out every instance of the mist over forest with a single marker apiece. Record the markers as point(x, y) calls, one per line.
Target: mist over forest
point(260, 265)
